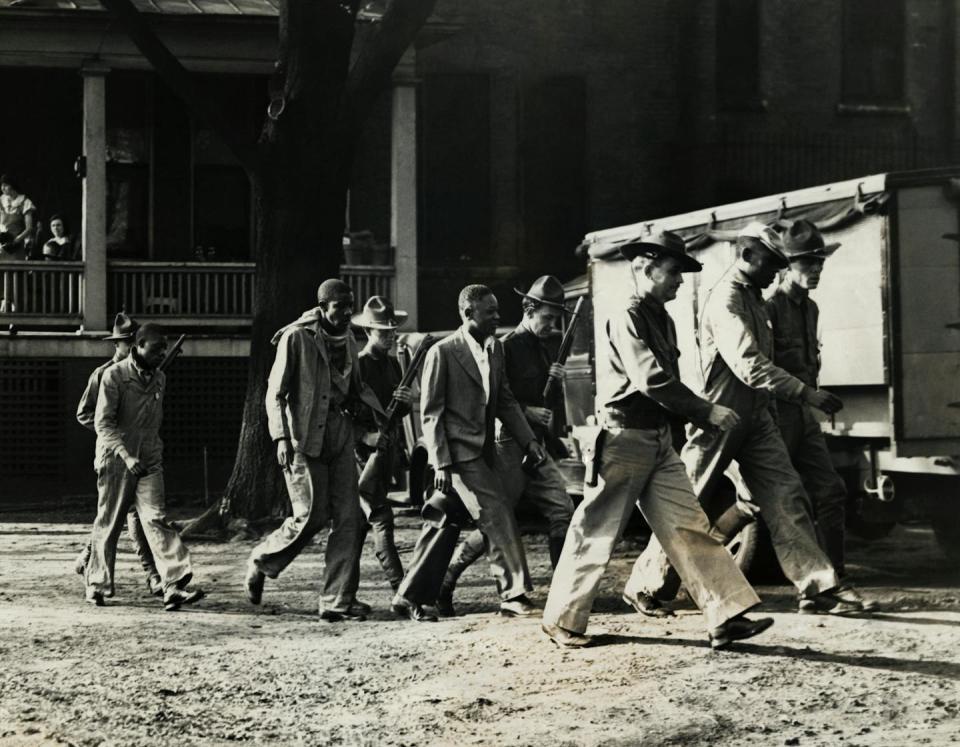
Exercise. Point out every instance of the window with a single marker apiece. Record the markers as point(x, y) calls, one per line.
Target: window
point(873, 52)
point(738, 54)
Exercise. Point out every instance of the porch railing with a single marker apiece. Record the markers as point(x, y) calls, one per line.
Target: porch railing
point(368, 280)
point(214, 292)
point(41, 292)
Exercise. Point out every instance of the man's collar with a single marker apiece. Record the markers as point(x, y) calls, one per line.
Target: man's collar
point(647, 299)
point(794, 292)
point(741, 278)
point(142, 372)
point(472, 341)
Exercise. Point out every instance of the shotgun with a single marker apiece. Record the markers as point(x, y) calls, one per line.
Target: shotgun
point(172, 353)
point(552, 388)
point(375, 473)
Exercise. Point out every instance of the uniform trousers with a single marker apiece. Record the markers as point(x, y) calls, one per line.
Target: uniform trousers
point(379, 516)
point(480, 490)
point(774, 487)
point(323, 492)
point(640, 466)
point(118, 489)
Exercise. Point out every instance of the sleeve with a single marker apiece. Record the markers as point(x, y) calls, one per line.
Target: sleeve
point(508, 409)
point(738, 347)
point(433, 387)
point(106, 417)
point(28, 206)
point(629, 337)
point(87, 409)
point(289, 353)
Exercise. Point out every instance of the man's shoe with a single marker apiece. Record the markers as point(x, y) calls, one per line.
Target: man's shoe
point(94, 597)
point(253, 584)
point(175, 598)
point(403, 607)
point(360, 608)
point(736, 629)
point(647, 605)
point(565, 638)
point(335, 616)
point(518, 607)
point(844, 600)
point(155, 584)
point(444, 604)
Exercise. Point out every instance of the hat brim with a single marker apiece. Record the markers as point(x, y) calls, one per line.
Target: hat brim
point(822, 252)
point(364, 321)
point(552, 304)
point(636, 248)
point(117, 338)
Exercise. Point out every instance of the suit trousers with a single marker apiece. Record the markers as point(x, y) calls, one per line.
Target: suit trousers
point(546, 491)
point(641, 467)
point(118, 489)
point(323, 492)
point(808, 452)
point(773, 485)
point(481, 493)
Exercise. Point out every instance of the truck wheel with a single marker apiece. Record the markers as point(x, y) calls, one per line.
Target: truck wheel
point(744, 546)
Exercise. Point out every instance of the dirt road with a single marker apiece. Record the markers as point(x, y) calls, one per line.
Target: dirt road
point(224, 672)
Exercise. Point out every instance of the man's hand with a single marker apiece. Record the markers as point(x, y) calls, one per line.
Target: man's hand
point(284, 453)
point(723, 418)
point(442, 481)
point(370, 439)
point(822, 400)
point(541, 416)
point(536, 452)
point(134, 466)
point(557, 371)
point(403, 394)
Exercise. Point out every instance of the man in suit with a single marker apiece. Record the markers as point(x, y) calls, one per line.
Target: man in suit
point(463, 390)
point(313, 391)
point(530, 352)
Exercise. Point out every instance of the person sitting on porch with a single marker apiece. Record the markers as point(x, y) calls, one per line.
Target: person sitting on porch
point(16, 220)
point(59, 247)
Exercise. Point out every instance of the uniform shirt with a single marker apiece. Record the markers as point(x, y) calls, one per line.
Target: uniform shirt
point(640, 376)
point(736, 345)
point(481, 355)
point(528, 359)
point(128, 416)
point(796, 348)
point(381, 372)
point(87, 409)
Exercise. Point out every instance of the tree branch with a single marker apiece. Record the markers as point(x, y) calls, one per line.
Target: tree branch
point(176, 76)
point(372, 71)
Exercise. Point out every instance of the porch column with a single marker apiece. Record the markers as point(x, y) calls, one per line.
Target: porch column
point(403, 185)
point(94, 205)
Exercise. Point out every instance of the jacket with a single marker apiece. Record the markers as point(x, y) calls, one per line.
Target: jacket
point(128, 416)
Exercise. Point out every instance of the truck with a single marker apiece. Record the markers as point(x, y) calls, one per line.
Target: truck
point(890, 334)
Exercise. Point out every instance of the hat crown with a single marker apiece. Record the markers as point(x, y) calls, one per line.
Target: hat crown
point(662, 244)
point(123, 327)
point(378, 313)
point(803, 237)
point(547, 289)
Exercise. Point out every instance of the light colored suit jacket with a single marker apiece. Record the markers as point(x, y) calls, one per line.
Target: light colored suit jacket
point(456, 423)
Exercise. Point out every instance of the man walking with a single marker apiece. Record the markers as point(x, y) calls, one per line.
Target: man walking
point(796, 349)
point(381, 372)
point(736, 352)
point(129, 464)
point(463, 389)
point(313, 393)
point(638, 386)
point(530, 353)
point(124, 329)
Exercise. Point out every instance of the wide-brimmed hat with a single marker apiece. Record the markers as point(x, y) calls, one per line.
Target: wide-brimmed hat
point(663, 244)
point(547, 290)
point(124, 328)
point(803, 239)
point(378, 313)
point(766, 238)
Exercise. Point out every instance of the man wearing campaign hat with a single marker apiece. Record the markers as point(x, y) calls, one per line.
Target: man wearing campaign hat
point(638, 389)
point(381, 372)
point(313, 395)
point(736, 356)
point(124, 329)
point(530, 356)
point(796, 349)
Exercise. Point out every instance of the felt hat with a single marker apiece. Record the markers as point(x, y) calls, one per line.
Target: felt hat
point(803, 239)
point(757, 234)
point(663, 244)
point(378, 313)
point(124, 328)
point(547, 290)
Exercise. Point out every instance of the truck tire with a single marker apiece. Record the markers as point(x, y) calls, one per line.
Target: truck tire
point(744, 546)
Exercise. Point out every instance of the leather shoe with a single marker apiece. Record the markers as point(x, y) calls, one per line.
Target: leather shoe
point(647, 605)
point(175, 598)
point(334, 616)
point(94, 597)
point(155, 584)
point(843, 600)
point(360, 608)
point(444, 604)
point(736, 629)
point(403, 607)
point(253, 584)
point(565, 638)
point(518, 607)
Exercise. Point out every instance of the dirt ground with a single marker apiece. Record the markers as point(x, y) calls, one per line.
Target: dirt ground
point(225, 672)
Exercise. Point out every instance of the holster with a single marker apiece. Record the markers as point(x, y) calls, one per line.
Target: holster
point(590, 439)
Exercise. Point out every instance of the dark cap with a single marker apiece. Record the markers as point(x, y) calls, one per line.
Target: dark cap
point(124, 328)
point(663, 244)
point(547, 290)
point(803, 240)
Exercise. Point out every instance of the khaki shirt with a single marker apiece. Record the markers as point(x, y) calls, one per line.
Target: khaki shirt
point(128, 416)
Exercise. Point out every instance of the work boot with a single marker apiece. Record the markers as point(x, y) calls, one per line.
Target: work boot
point(93, 596)
point(176, 597)
point(155, 584)
point(519, 606)
point(646, 604)
point(555, 545)
point(350, 613)
point(359, 608)
point(403, 607)
point(565, 638)
point(843, 600)
point(737, 629)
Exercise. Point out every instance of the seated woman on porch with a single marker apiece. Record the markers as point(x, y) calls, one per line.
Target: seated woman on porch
point(16, 220)
point(60, 246)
